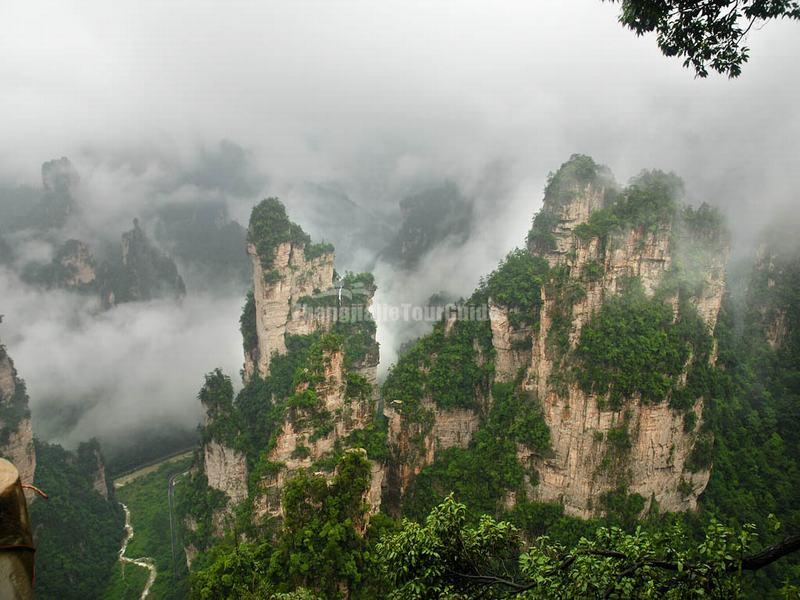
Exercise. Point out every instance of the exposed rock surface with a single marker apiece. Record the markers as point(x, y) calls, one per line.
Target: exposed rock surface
point(598, 241)
point(290, 278)
point(16, 432)
point(100, 482)
point(415, 444)
point(300, 444)
point(142, 273)
point(296, 296)
point(512, 345)
point(574, 474)
point(435, 216)
point(77, 263)
point(226, 470)
point(773, 287)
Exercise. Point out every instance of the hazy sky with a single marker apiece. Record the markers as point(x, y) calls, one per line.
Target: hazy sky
point(372, 97)
point(324, 89)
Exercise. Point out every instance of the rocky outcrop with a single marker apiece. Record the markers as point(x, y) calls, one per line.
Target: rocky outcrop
point(76, 264)
point(57, 205)
point(97, 466)
point(581, 467)
point(512, 345)
point(330, 382)
point(143, 272)
point(436, 216)
point(415, 443)
point(59, 176)
point(16, 432)
point(578, 472)
point(277, 289)
point(303, 440)
point(591, 243)
point(226, 470)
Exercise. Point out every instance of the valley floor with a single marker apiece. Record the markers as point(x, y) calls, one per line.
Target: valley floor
point(148, 563)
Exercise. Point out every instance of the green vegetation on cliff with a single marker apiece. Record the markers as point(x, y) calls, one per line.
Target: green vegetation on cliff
point(140, 271)
point(321, 545)
point(755, 417)
point(516, 284)
point(13, 410)
point(452, 369)
point(572, 178)
point(563, 186)
point(433, 216)
point(270, 227)
point(649, 201)
point(634, 346)
point(197, 502)
point(216, 396)
point(247, 324)
point(481, 474)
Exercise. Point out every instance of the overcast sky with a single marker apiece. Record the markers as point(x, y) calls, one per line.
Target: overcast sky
point(371, 96)
point(323, 89)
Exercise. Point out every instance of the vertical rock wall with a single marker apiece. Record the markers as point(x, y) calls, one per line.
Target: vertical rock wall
point(16, 432)
point(226, 470)
point(299, 444)
point(574, 473)
point(280, 282)
point(276, 290)
point(416, 444)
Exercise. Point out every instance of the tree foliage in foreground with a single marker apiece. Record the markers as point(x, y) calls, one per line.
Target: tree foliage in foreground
point(708, 33)
point(322, 550)
point(449, 558)
point(77, 532)
point(319, 554)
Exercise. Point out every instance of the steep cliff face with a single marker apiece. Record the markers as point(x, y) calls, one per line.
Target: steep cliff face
point(587, 384)
point(16, 433)
point(92, 464)
point(438, 215)
point(328, 407)
point(773, 291)
point(223, 463)
point(416, 444)
point(310, 372)
point(435, 398)
point(77, 264)
point(226, 470)
point(277, 288)
point(591, 264)
point(512, 344)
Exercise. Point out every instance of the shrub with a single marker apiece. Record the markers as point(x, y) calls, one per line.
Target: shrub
point(632, 347)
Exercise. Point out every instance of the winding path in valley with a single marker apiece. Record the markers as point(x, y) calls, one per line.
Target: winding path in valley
point(145, 562)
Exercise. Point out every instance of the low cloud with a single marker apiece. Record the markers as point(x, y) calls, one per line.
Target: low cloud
point(111, 373)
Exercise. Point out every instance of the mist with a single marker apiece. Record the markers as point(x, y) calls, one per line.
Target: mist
point(110, 373)
point(340, 109)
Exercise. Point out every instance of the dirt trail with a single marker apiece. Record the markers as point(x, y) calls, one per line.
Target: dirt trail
point(144, 561)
